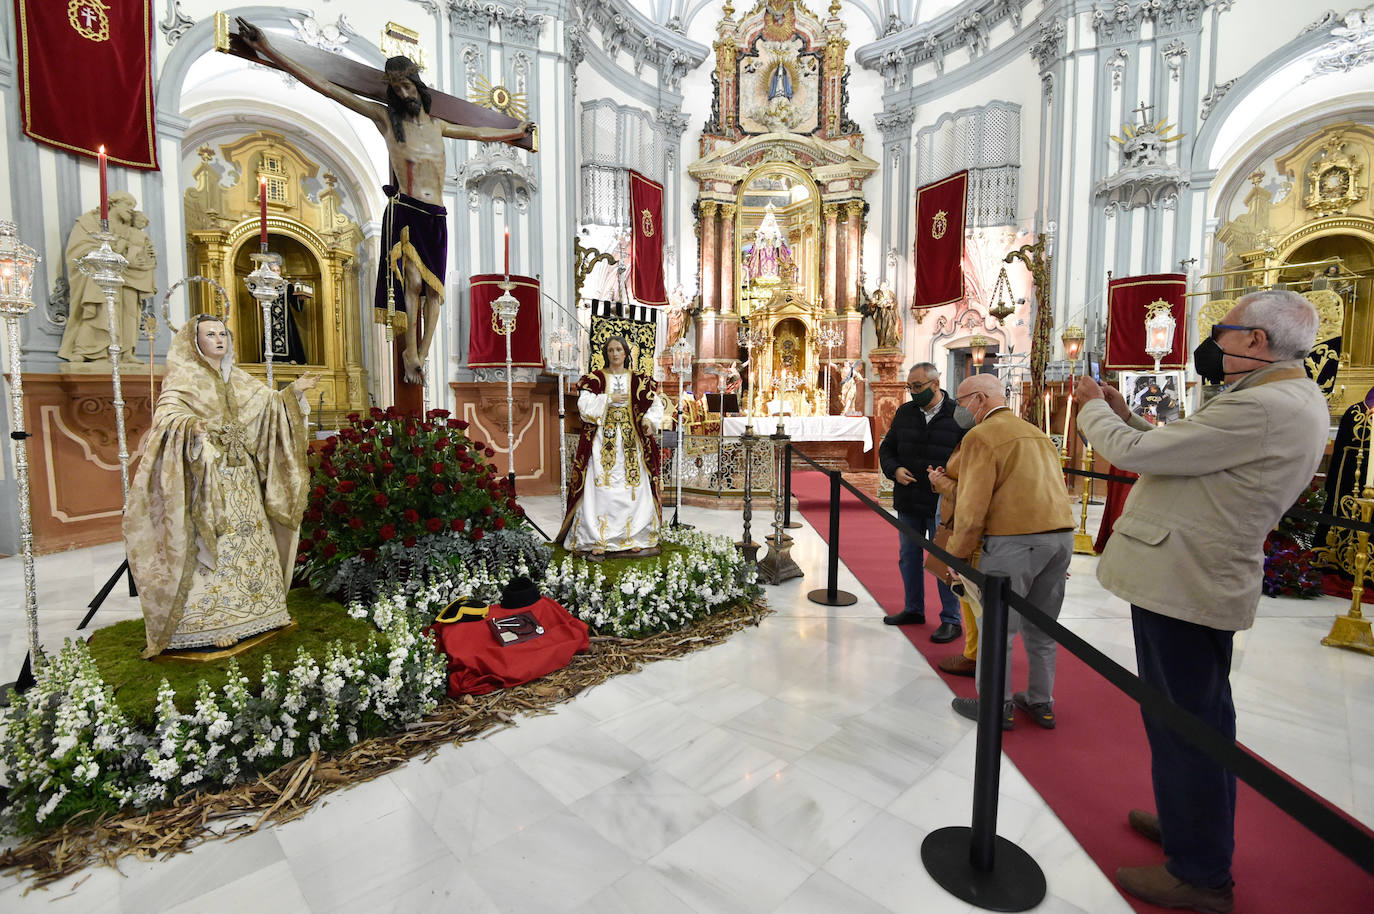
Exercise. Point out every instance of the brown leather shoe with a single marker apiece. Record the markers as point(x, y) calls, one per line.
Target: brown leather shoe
point(958, 665)
point(1146, 824)
point(1157, 886)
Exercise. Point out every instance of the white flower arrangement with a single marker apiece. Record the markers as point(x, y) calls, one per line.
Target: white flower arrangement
point(68, 748)
point(647, 597)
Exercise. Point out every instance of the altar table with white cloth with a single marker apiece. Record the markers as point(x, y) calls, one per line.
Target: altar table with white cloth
point(808, 428)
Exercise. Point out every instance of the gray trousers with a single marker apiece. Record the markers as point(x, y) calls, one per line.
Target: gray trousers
point(1037, 564)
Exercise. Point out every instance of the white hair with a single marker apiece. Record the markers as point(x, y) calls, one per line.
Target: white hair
point(1289, 320)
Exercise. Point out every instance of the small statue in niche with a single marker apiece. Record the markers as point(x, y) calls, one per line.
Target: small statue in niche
point(87, 334)
point(887, 323)
point(851, 389)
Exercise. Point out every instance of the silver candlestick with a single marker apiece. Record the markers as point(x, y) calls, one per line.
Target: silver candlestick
point(563, 360)
point(17, 261)
point(682, 367)
point(503, 314)
point(106, 268)
point(265, 283)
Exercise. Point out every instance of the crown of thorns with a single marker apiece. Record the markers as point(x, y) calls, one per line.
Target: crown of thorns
point(401, 74)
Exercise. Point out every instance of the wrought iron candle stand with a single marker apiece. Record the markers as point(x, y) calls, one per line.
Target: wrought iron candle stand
point(504, 311)
point(17, 262)
point(747, 545)
point(265, 284)
point(777, 566)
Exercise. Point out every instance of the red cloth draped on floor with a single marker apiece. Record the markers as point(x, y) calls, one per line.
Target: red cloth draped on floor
point(478, 663)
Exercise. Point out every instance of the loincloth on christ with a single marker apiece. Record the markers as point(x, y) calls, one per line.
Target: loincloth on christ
point(413, 232)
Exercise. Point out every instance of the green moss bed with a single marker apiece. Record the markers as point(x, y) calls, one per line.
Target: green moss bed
point(118, 649)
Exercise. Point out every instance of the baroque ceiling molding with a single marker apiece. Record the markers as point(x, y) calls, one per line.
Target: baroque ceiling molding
point(476, 17)
point(1217, 93)
point(967, 27)
point(1123, 19)
point(176, 23)
point(622, 27)
point(1352, 47)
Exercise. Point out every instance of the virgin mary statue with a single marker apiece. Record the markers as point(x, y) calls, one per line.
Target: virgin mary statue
point(215, 508)
point(613, 500)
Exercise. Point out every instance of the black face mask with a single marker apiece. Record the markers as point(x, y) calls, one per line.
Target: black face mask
point(922, 398)
point(1208, 361)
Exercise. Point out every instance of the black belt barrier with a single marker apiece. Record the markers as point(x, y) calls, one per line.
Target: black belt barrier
point(975, 877)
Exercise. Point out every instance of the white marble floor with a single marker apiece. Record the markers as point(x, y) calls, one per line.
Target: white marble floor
point(795, 768)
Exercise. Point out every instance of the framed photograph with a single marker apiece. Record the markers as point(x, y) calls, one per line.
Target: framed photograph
point(1156, 397)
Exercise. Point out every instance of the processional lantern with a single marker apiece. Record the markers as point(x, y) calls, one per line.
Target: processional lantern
point(1159, 330)
point(978, 349)
point(1072, 338)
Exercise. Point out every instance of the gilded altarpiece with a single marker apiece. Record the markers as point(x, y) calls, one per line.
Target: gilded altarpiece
point(318, 244)
point(780, 211)
point(1315, 234)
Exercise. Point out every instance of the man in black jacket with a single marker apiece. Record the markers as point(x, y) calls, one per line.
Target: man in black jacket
point(923, 434)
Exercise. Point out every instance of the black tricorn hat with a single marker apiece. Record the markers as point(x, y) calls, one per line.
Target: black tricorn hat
point(519, 593)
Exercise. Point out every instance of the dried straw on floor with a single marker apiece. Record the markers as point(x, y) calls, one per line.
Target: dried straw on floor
point(289, 792)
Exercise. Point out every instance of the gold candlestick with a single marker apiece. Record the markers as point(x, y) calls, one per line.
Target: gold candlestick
point(1353, 630)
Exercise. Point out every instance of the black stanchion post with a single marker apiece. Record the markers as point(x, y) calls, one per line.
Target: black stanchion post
point(832, 595)
point(972, 863)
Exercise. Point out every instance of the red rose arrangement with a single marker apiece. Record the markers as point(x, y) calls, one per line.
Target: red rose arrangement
point(390, 480)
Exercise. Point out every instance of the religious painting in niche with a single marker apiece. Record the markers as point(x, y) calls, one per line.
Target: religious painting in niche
point(779, 87)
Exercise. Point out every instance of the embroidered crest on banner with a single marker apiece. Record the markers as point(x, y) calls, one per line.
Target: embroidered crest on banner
point(89, 19)
point(646, 223)
point(939, 225)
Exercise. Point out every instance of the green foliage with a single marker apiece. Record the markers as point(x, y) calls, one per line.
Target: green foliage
point(117, 653)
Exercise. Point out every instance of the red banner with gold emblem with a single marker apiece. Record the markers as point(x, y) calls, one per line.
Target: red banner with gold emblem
point(486, 344)
point(647, 283)
point(1129, 300)
point(939, 249)
point(86, 77)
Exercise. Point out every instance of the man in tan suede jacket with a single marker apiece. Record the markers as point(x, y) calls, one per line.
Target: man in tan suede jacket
point(1011, 499)
point(1188, 554)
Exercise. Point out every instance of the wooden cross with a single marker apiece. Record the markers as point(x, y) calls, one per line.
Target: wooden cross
point(365, 81)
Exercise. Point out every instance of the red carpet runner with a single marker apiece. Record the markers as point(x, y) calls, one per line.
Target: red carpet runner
point(1094, 766)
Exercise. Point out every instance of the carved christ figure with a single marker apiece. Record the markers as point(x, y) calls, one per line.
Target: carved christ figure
point(415, 248)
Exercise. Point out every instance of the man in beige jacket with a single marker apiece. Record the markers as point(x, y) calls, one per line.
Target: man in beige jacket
point(1011, 499)
point(1188, 554)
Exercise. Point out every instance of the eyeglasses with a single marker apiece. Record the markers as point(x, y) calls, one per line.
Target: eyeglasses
point(975, 393)
point(918, 385)
point(1217, 329)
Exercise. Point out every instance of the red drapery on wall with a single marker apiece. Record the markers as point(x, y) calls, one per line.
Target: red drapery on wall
point(86, 78)
point(647, 284)
point(1128, 300)
point(939, 248)
point(486, 347)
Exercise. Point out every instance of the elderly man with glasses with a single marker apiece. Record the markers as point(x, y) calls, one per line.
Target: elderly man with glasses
point(1011, 499)
point(922, 436)
point(1188, 554)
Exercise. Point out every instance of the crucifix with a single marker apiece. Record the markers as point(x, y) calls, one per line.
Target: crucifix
point(414, 120)
point(1144, 112)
